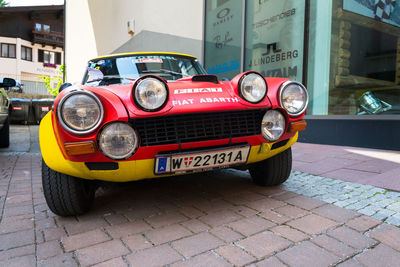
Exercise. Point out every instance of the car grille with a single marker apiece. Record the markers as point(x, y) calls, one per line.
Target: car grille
point(198, 127)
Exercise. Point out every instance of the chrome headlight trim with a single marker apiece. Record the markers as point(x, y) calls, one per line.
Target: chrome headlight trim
point(71, 129)
point(135, 92)
point(240, 89)
point(282, 89)
point(267, 133)
point(127, 154)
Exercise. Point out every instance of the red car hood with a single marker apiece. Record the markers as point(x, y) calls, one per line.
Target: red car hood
point(186, 96)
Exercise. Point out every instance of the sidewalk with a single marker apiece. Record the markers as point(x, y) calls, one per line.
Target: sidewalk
point(380, 168)
point(211, 219)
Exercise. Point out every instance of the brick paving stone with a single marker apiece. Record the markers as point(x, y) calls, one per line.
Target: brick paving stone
point(74, 228)
point(156, 256)
point(48, 249)
point(167, 234)
point(251, 225)
point(115, 219)
point(388, 235)
point(17, 252)
point(381, 255)
point(61, 260)
point(24, 261)
point(274, 217)
point(285, 196)
point(15, 225)
point(203, 260)
point(212, 206)
point(291, 211)
point(270, 262)
point(307, 254)
point(137, 242)
point(135, 227)
point(219, 218)
point(14, 211)
point(44, 223)
point(263, 244)
point(289, 233)
point(101, 252)
point(350, 263)
point(235, 255)
point(244, 211)
point(82, 240)
point(225, 234)
point(351, 237)
point(338, 248)
point(363, 223)
point(116, 262)
point(195, 226)
point(166, 219)
point(191, 212)
point(305, 202)
point(265, 204)
point(313, 224)
point(196, 244)
point(336, 213)
point(17, 239)
point(53, 233)
point(394, 219)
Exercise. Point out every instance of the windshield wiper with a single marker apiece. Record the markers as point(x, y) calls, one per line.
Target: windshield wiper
point(110, 78)
point(164, 71)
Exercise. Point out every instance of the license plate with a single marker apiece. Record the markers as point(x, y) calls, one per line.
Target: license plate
point(201, 160)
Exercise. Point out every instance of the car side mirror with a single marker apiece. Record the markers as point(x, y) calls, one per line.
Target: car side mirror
point(63, 86)
point(7, 82)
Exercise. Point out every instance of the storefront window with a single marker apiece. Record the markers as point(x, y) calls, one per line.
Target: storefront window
point(275, 38)
point(223, 37)
point(365, 61)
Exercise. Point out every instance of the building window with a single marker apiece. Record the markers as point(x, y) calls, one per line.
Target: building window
point(275, 38)
point(223, 37)
point(26, 53)
point(38, 27)
point(49, 58)
point(46, 28)
point(8, 50)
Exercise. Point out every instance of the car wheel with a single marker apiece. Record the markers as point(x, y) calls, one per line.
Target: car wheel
point(5, 134)
point(66, 195)
point(272, 171)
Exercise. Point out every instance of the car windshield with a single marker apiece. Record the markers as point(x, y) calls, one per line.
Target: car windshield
point(122, 69)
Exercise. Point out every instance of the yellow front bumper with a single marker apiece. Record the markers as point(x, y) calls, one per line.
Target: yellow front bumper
point(128, 170)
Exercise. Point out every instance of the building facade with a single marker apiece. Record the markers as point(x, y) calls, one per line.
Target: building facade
point(347, 52)
point(31, 44)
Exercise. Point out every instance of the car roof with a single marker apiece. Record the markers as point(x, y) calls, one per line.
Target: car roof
point(142, 53)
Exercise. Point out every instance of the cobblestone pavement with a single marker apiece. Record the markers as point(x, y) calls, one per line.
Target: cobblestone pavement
point(212, 219)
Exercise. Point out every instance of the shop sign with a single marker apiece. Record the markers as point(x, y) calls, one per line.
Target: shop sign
point(277, 36)
point(223, 39)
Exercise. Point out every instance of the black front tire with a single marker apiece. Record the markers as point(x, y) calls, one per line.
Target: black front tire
point(5, 134)
point(66, 195)
point(272, 171)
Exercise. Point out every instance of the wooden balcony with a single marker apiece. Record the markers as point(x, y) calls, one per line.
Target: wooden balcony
point(55, 39)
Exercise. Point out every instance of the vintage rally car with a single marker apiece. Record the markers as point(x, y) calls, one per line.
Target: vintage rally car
point(148, 115)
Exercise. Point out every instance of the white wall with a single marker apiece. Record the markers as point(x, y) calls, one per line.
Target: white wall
point(99, 27)
point(176, 17)
point(80, 44)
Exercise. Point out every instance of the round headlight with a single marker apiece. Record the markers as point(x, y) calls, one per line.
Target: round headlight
point(151, 94)
point(273, 125)
point(80, 112)
point(118, 140)
point(253, 87)
point(293, 97)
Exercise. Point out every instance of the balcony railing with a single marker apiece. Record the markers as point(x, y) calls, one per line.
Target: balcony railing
point(51, 38)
